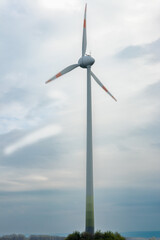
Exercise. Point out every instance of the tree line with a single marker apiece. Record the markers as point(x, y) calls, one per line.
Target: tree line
point(96, 236)
point(73, 236)
point(32, 237)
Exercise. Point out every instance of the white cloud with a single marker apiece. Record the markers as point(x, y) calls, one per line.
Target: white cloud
point(3, 3)
point(57, 95)
point(24, 179)
point(33, 137)
point(63, 4)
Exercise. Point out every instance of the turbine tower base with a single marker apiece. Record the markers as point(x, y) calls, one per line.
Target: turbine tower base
point(89, 161)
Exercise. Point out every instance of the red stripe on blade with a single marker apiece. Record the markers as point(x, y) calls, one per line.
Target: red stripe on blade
point(105, 88)
point(109, 93)
point(114, 98)
point(48, 81)
point(84, 25)
point(58, 75)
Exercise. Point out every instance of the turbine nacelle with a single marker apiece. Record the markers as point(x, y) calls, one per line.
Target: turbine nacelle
point(86, 61)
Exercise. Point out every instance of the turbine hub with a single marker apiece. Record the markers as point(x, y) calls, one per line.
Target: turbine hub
point(86, 61)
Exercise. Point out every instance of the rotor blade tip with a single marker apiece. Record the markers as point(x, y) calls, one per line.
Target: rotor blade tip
point(47, 81)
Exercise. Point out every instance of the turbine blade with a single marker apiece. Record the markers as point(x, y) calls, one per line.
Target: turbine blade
point(100, 84)
point(84, 38)
point(64, 71)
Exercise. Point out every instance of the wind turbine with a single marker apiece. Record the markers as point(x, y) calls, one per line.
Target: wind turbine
point(86, 61)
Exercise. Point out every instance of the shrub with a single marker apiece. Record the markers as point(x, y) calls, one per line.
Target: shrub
point(74, 236)
point(97, 236)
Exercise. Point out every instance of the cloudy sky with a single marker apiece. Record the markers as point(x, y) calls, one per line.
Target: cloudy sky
point(43, 127)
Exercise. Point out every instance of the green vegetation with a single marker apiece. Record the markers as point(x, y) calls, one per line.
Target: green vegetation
point(32, 237)
point(97, 236)
point(74, 236)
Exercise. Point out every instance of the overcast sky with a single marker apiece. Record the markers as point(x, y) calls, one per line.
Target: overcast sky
point(43, 127)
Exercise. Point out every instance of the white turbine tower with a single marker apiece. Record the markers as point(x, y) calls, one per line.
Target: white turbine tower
point(86, 61)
